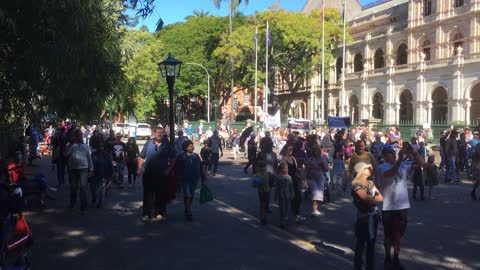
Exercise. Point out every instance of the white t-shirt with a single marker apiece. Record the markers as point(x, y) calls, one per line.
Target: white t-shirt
point(394, 189)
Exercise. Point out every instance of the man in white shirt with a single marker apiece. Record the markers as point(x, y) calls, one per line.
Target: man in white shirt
point(392, 180)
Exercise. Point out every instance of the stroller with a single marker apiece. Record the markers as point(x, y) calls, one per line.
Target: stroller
point(15, 235)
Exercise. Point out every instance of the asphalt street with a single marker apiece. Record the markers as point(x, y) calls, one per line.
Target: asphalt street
point(442, 233)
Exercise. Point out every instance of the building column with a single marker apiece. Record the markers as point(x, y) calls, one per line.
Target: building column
point(397, 113)
point(456, 113)
point(429, 112)
point(468, 105)
point(370, 110)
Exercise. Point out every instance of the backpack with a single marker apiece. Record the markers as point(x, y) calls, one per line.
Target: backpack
point(214, 144)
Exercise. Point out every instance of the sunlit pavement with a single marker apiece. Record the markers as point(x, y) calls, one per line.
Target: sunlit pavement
point(442, 234)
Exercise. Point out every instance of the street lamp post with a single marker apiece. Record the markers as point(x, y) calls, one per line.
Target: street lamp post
point(170, 69)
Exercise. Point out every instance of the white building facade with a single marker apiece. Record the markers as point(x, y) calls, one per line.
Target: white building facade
point(410, 60)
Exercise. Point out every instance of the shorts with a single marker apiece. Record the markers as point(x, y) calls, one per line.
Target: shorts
point(395, 223)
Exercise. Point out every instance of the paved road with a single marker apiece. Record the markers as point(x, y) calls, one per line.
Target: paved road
point(442, 234)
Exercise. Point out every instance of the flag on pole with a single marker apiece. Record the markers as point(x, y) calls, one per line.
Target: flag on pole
point(343, 11)
point(269, 41)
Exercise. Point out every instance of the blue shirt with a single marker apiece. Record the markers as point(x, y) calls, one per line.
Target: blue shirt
point(156, 158)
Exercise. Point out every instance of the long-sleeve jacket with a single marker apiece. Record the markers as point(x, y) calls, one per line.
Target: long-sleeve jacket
point(78, 156)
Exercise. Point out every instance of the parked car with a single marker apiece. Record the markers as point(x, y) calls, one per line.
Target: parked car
point(126, 130)
point(119, 128)
point(143, 131)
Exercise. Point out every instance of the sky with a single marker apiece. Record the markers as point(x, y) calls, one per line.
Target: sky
point(172, 11)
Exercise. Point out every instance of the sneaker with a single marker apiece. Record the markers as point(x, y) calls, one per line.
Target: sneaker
point(473, 194)
point(159, 217)
point(300, 218)
point(145, 219)
point(316, 213)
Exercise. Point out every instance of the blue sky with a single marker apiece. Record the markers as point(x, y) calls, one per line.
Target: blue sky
point(172, 11)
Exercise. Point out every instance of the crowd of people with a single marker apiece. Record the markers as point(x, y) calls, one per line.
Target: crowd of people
point(316, 166)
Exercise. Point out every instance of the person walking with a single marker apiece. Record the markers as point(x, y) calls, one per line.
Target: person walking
point(266, 165)
point(431, 175)
point(392, 180)
point(451, 154)
point(58, 157)
point(80, 167)
point(315, 168)
point(206, 155)
point(215, 144)
point(154, 160)
point(297, 183)
point(191, 171)
point(103, 170)
point(132, 152)
point(365, 197)
point(252, 154)
point(119, 153)
point(475, 171)
point(235, 141)
point(284, 192)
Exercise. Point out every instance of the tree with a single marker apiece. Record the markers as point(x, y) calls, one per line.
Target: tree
point(295, 51)
point(60, 57)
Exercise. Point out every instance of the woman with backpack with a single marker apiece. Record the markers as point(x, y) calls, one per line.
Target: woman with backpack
point(80, 166)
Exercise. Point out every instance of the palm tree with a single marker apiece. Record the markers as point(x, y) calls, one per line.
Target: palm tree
point(232, 8)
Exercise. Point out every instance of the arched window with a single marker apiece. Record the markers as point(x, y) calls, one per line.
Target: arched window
point(457, 41)
point(427, 7)
point(379, 61)
point(339, 67)
point(426, 49)
point(402, 54)
point(459, 3)
point(358, 63)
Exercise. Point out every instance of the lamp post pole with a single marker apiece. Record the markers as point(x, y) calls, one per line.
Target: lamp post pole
point(170, 68)
point(208, 91)
point(171, 122)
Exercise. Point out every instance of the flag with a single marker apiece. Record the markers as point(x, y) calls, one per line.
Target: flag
point(268, 35)
point(343, 11)
point(322, 9)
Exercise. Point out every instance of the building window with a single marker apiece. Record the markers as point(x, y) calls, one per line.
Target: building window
point(379, 60)
point(402, 54)
point(427, 7)
point(459, 3)
point(358, 63)
point(339, 67)
point(426, 50)
point(457, 41)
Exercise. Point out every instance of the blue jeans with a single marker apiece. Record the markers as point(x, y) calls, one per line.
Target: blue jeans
point(78, 182)
point(450, 173)
point(214, 162)
point(444, 158)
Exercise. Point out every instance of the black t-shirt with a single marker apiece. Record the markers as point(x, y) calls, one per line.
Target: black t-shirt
point(118, 151)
